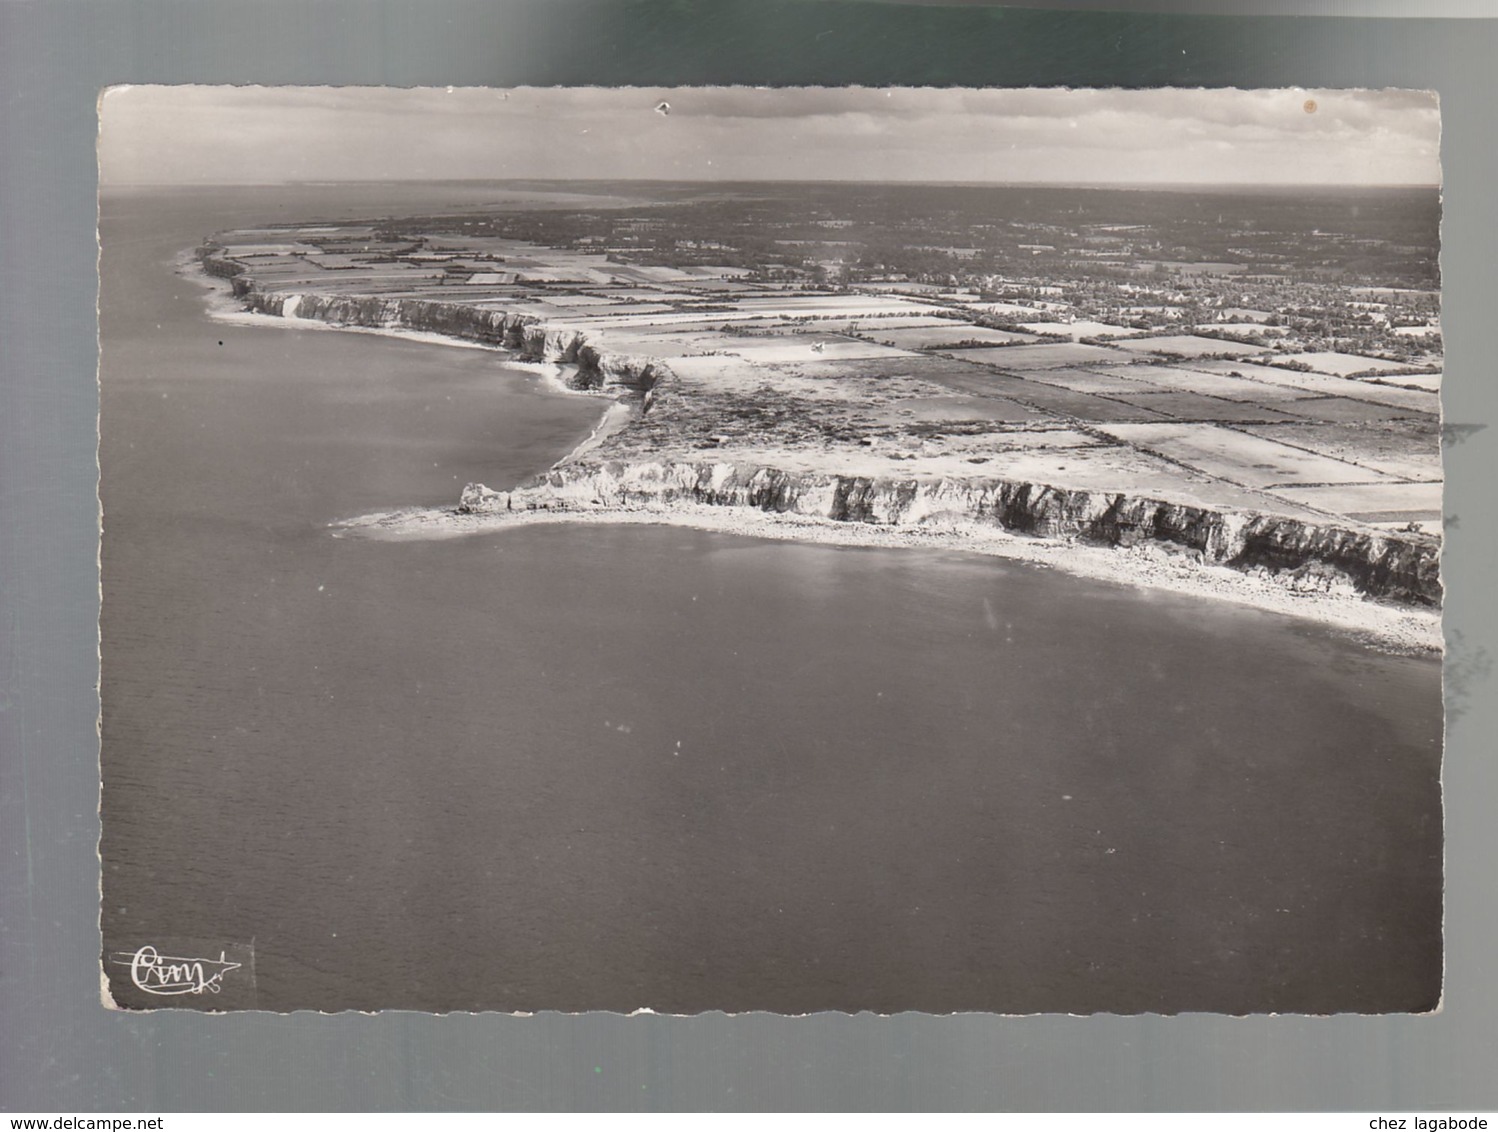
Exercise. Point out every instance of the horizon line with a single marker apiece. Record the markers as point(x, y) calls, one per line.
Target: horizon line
point(1160, 185)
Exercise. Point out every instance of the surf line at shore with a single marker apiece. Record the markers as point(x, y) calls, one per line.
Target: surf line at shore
point(1147, 567)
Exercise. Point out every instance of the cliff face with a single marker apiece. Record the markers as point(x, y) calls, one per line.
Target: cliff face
point(528, 336)
point(1305, 554)
point(531, 339)
point(217, 264)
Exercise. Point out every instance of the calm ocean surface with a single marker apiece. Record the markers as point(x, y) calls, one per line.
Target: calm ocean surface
point(609, 768)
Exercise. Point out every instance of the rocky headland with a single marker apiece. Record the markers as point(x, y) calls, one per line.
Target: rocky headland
point(821, 429)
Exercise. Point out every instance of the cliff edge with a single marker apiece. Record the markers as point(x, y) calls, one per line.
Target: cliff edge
point(786, 421)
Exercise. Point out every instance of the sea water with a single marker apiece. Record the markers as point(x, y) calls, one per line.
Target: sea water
point(601, 767)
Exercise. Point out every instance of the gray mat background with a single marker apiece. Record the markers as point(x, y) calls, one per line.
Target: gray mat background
point(60, 1051)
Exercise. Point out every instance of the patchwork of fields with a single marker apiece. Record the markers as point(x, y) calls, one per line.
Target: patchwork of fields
point(877, 382)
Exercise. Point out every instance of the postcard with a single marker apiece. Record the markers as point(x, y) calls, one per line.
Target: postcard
point(791, 550)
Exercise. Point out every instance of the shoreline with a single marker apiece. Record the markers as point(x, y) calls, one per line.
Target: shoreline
point(222, 306)
point(1390, 628)
point(1395, 628)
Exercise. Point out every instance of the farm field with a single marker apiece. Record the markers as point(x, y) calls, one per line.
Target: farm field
point(1081, 328)
point(1189, 346)
point(945, 335)
point(1343, 365)
point(1044, 355)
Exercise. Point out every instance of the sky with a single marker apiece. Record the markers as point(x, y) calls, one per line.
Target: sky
point(269, 135)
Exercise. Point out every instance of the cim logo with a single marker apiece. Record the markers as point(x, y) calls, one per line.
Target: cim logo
point(160, 974)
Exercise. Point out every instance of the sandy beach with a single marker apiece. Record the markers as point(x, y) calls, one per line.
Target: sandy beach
point(1390, 627)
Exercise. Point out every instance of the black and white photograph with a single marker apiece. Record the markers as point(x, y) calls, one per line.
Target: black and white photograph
point(697, 549)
